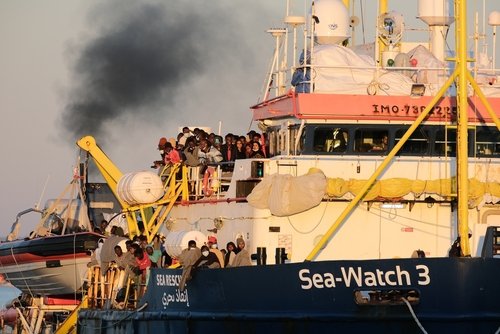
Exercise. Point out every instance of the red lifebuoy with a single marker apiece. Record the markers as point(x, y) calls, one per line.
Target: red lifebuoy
point(207, 181)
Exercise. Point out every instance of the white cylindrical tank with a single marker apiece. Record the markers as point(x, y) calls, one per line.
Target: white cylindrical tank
point(140, 188)
point(176, 242)
point(333, 22)
point(436, 12)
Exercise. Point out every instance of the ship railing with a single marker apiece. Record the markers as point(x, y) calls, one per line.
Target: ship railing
point(430, 77)
point(209, 181)
point(116, 288)
point(170, 174)
point(487, 78)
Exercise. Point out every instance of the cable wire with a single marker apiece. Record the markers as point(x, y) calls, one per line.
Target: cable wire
point(415, 316)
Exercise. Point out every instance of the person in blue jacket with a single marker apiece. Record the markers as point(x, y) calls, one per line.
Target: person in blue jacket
point(301, 78)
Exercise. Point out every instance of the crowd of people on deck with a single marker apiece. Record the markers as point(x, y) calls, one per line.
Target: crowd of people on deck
point(196, 148)
point(209, 256)
point(139, 256)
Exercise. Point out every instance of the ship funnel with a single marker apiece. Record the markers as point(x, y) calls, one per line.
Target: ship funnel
point(332, 22)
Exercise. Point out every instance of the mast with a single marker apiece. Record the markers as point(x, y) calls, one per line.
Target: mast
point(382, 9)
point(462, 124)
point(464, 77)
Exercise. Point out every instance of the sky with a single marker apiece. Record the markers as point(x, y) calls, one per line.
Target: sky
point(127, 72)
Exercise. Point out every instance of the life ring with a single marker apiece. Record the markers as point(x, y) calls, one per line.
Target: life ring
point(208, 177)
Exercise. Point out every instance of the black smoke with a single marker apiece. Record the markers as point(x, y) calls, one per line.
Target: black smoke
point(137, 61)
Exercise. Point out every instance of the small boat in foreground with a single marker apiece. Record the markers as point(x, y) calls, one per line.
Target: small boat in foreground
point(45, 266)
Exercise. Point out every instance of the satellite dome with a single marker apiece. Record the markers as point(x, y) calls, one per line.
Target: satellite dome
point(332, 22)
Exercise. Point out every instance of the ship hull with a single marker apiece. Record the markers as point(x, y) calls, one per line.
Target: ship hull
point(54, 265)
point(444, 294)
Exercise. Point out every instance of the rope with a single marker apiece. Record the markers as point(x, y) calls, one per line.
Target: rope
point(317, 224)
point(415, 316)
point(47, 213)
point(21, 272)
point(363, 21)
point(375, 86)
point(74, 265)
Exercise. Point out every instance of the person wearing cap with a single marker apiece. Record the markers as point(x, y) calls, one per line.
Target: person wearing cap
point(212, 245)
point(243, 257)
point(171, 157)
point(161, 148)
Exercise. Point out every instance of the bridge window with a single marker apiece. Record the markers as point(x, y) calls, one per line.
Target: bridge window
point(330, 140)
point(446, 142)
point(417, 144)
point(371, 140)
point(487, 141)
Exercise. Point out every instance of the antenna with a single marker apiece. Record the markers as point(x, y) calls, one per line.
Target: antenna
point(37, 205)
point(295, 22)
